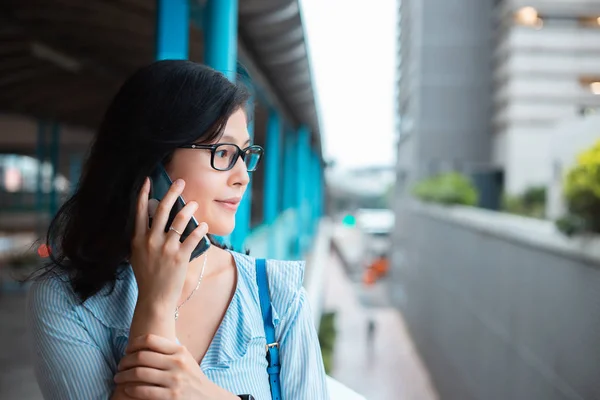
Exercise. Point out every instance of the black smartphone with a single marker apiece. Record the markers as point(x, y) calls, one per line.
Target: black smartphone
point(160, 185)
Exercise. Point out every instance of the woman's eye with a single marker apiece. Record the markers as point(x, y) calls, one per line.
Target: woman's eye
point(222, 153)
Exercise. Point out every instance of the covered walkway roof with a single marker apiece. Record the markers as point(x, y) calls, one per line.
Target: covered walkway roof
point(65, 59)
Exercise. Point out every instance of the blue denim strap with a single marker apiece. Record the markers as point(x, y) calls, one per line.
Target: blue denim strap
point(272, 348)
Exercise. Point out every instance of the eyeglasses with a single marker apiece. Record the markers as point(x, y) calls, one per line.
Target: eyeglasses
point(223, 156)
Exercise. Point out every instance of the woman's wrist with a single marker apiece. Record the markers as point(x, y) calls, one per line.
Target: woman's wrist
point(153, 318)
point(153, 308)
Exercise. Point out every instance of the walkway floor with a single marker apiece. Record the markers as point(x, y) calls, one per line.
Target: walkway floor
point(384, 369)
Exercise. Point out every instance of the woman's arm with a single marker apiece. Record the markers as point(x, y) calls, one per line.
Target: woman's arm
point(68, 363)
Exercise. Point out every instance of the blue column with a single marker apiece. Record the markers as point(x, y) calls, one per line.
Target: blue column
point(220, 52)
point(303, 171)
point(41, 156)
point(220, 36)
point(272, 168)
point(172, 29)
point(243, 214)
point(54, 157)
point(321, 188)
point(75, 161)
point(316, 189)
point(289, 170)
point(310, 194)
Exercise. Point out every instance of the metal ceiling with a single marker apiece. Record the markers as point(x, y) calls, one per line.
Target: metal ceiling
point(65, 59)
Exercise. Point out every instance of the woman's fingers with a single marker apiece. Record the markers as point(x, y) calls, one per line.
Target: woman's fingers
point(144, 358)
point(164, 207)
point(143, 375)
point(154, 343)
point(141, 218)
point(181, 220)
point(194, 238)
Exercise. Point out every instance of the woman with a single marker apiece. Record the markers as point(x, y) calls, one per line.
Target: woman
point(121, 312)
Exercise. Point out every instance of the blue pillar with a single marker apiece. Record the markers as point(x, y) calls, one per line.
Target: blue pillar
point(220, 52)
point(321, 185)
point(289, 170)
point(316, 189)
point(310, 194)
point(220, 36)
point(172, 29)
point(75, 161)
point(303, 171)
point(243, 214)
point(41, 156)
point(54, 157)
point(272, 168)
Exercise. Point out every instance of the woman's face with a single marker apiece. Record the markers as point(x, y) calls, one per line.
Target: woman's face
point(218, 193)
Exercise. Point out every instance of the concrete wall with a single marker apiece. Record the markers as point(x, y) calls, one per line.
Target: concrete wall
point(445, 86)
point(501, 307)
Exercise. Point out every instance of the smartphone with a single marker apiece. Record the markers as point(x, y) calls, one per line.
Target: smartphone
point(160, 185)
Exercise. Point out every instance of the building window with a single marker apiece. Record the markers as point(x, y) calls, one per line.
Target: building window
point(528, 16)
point(589, 22)
point(591, 83)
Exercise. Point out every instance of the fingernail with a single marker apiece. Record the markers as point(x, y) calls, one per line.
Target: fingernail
point(179, 183)
point(204, 225)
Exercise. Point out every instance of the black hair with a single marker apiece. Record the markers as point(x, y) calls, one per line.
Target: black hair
point(160, 107)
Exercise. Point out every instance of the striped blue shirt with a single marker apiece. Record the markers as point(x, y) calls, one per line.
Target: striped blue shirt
point(77, 347)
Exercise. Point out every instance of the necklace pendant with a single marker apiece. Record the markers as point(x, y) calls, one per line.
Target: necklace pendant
point(176, 314)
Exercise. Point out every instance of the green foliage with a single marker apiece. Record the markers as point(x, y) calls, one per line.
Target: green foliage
point(327, 336)
point(582, 194)
point(531, 203)
point(447, 188)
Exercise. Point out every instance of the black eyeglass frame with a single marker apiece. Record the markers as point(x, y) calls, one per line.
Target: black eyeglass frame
point(240, 153)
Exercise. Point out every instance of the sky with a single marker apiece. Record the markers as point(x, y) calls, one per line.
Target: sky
point(352, 50)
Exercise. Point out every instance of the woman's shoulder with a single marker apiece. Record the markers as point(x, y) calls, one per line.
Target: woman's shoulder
point(54, 294)
point(285, 278)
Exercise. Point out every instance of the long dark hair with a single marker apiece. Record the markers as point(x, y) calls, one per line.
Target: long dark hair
point(160, 107)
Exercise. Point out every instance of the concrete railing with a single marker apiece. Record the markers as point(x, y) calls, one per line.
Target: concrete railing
point(500, 306)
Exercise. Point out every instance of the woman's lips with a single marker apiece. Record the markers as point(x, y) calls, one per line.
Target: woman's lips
point(230, 204)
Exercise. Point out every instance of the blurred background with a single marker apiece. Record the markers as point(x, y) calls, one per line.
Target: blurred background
point(436, 162)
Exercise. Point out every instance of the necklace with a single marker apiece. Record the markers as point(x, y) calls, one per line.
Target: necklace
point(193, 291)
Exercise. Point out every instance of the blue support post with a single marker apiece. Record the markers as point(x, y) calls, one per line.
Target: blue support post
point(321, 187)
point(315, 195)
point(310, 194)
point(220, 36)
point(54, 157)
point(75, 161)
point(220, 52)
point(272, 168)
point(242, 217)
point(303, 171)
point(272, 189)
point(289, 170)
point(172, 29)
point(41, 155)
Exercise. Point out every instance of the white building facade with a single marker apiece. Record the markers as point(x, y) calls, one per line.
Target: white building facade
point(546, 71)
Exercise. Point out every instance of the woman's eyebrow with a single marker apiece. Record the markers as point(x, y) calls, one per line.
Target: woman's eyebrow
point(230, 138)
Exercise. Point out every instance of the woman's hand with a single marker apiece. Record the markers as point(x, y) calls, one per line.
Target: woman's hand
point(155, 368)
point(159, 260)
